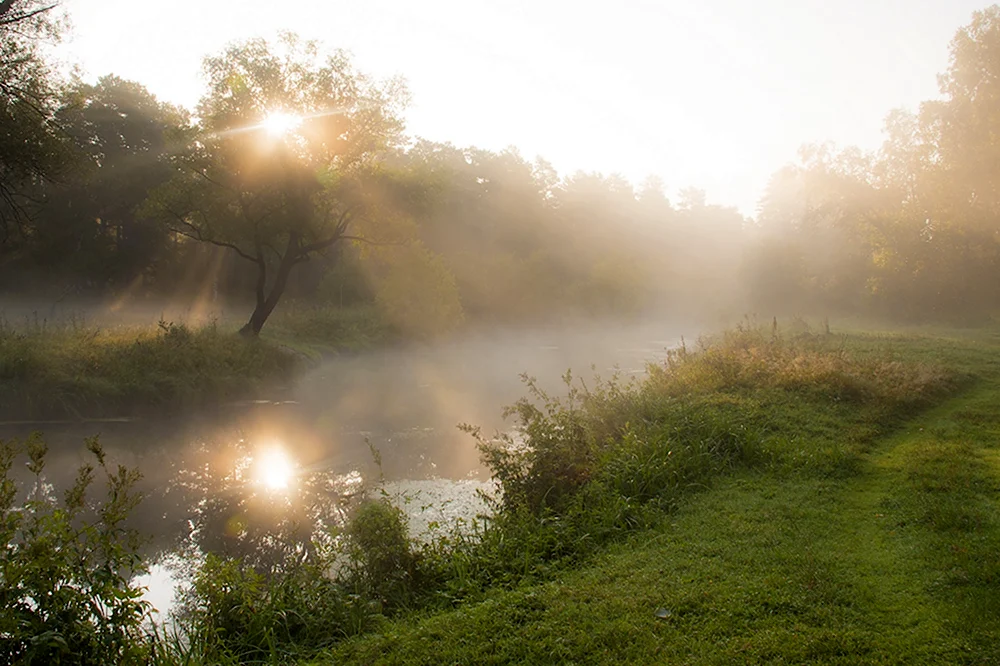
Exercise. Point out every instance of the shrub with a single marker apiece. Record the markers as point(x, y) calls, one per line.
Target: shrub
point(379, 545)
point(66, 591)
point(233, 613)
point(601, 461)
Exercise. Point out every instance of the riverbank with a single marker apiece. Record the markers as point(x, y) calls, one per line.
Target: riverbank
point(78, 372)
point(77, 369)
point(766, 495)
point(866, 534)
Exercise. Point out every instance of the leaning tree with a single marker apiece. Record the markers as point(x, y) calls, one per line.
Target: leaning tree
point(285, 162)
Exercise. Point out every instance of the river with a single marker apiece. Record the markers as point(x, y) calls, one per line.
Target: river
point(402, 403)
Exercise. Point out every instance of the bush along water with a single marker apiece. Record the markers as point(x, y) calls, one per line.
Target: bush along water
point(607, 459)
point(579, 471)
point(66, 590)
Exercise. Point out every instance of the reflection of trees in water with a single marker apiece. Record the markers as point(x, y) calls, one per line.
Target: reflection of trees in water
point(227, 510)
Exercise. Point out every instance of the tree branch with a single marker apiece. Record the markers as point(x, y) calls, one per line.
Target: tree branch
point(7, 5)
point(343, 221)
point(368, 241)
point(195, 233)
point(202, 239)
point(211, 180)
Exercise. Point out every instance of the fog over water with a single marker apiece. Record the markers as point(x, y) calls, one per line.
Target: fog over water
point(405, 402)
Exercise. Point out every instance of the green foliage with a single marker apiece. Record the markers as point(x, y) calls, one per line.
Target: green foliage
point(121, 136)
point(344, 284)
point(603, 461)
point(378, 544)
point(890, 563)
point(278, 200)
point(907, 231)
point(417, 293)
point(32, 148)
point(587, 471)
point(66, 590)
point(234, 614)
point(330, 328)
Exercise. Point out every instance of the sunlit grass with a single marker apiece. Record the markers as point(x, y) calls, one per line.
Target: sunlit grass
point(81, 370)
point(802, 559)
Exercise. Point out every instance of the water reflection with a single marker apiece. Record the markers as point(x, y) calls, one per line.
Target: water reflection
point(238, 499)
point(260, 479)
point(274, 467)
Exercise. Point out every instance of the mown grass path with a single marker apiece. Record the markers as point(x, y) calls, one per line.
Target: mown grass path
point(897, 563)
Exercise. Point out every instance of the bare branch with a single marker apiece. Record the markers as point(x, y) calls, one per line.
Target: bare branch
point(368, 241)
point(194, 233)
point(7, 5)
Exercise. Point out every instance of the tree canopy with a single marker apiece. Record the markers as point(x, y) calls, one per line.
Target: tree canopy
point(276, 194)
point(294, 176)
point(31, 147)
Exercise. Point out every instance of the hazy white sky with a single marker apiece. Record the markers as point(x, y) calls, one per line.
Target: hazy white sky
point(711, 93)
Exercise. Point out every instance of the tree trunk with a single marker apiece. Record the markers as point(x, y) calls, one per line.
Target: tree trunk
point(265, 305)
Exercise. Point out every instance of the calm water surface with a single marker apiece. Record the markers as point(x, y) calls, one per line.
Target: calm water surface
point(258, 465)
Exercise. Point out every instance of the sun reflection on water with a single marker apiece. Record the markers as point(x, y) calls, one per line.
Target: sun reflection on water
point(274, 468)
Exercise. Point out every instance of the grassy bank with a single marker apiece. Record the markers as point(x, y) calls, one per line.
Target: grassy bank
point(315, 331)
point(859, 527)
point(72, 371)
point(766, 497)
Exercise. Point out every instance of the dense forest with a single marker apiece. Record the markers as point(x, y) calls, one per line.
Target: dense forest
point(111, 195)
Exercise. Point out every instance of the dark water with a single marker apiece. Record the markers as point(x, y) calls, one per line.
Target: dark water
point(405, 403)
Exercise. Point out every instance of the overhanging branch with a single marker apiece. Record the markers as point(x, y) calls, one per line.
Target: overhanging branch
point(7, 5)
point(194, 233)
point(368, 241)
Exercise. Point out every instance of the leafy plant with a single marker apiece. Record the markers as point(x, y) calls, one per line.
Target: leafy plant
point(66, 590)
point(378, 544)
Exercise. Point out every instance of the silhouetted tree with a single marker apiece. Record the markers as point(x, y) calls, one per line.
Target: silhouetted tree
point(277, 198)
point(88, 225)
point(31, 148)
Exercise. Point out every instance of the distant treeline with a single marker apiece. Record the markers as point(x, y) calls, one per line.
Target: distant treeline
point(911, 230)
point(107, 192)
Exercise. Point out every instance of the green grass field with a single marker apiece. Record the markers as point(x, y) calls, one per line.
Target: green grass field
point(861, 535)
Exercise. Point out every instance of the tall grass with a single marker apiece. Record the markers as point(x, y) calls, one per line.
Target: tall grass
point(75, 369)
point(750, 357)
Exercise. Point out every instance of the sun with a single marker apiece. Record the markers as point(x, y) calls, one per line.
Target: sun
point(274, 469)
point(280, 123)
